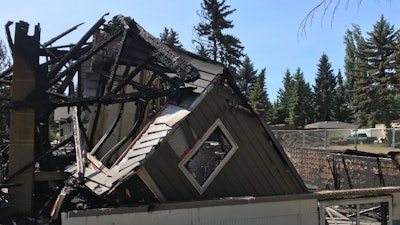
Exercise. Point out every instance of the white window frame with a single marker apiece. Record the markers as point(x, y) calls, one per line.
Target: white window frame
point(234, 147)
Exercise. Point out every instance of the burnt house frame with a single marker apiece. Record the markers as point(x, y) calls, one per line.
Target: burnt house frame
point(141, 112)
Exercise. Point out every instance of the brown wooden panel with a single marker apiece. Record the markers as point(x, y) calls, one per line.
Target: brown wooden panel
point(200, 120)
point(270, 156)
point(248, 130)
point(182, 183)
point(232, 176)
point(262, 156)
point(161, 180)
point(244, 167)
point(164, 172)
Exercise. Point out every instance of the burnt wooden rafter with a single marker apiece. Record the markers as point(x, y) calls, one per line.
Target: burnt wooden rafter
point(69, 73)
point(54, 39)
point(107, 99)
point(122, 43)
point(76, 47)
point(166, 56)
point(8, 33)
point(116, 61)
point(130, 76)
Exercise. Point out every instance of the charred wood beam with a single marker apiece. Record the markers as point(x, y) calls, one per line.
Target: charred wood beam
point(6, 82)
point(166, 55)
point(6, 72)
point(232, 83)
point(51, 41)
point(134, 59)
point(97, 111)
point(130, 76)
point(116, 60)
point(3, 98)
point(152, 78)
point(56, 56)
point(38, 158)
point(134, 84)
point(109, 131)
point(57, 52)
point(380, 173)
point(51, 75)
point(132, 133)
point(9, 39)
point(172, 81)
point(346, 169)
point(108, 99)
point(76, 48)
point(70, 71)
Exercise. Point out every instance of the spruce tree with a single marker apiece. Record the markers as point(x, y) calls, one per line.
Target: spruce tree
point(246, 76)
point(258, 97)
point(202, 51)
point(283, 101)
point(374, 75)
point(341, 101)
point(170, 37)
point(223, 48)
point(324, 91)
point(300, 103)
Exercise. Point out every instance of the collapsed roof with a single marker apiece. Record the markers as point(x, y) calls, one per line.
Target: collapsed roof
point(152, 122)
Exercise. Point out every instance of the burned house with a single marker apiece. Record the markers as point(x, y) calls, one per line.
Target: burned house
point(151, 123)
point(159, 136)
point(205, 143)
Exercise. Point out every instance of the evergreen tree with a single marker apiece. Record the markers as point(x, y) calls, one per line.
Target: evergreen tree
point(202, 51)
point(341, 101)
point(170, 37)
point(258, 97)
point(324, 91)
point(273, 114)
point(281, 106)
point(353, 39)
point(246, 77)
point(300, 104)
point(373, 75)
point(223, 48)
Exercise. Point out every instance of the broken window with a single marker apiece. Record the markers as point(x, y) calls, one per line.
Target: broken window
point(208, 156)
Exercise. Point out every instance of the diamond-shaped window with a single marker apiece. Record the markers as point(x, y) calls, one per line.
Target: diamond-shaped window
point(208, 156)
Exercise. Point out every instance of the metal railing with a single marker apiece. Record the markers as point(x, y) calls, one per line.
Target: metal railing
point(338, 139)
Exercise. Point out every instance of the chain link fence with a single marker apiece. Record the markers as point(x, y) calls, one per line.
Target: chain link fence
point(339, 139)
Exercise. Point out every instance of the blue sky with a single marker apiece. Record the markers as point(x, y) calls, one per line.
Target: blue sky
point(268, 29)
